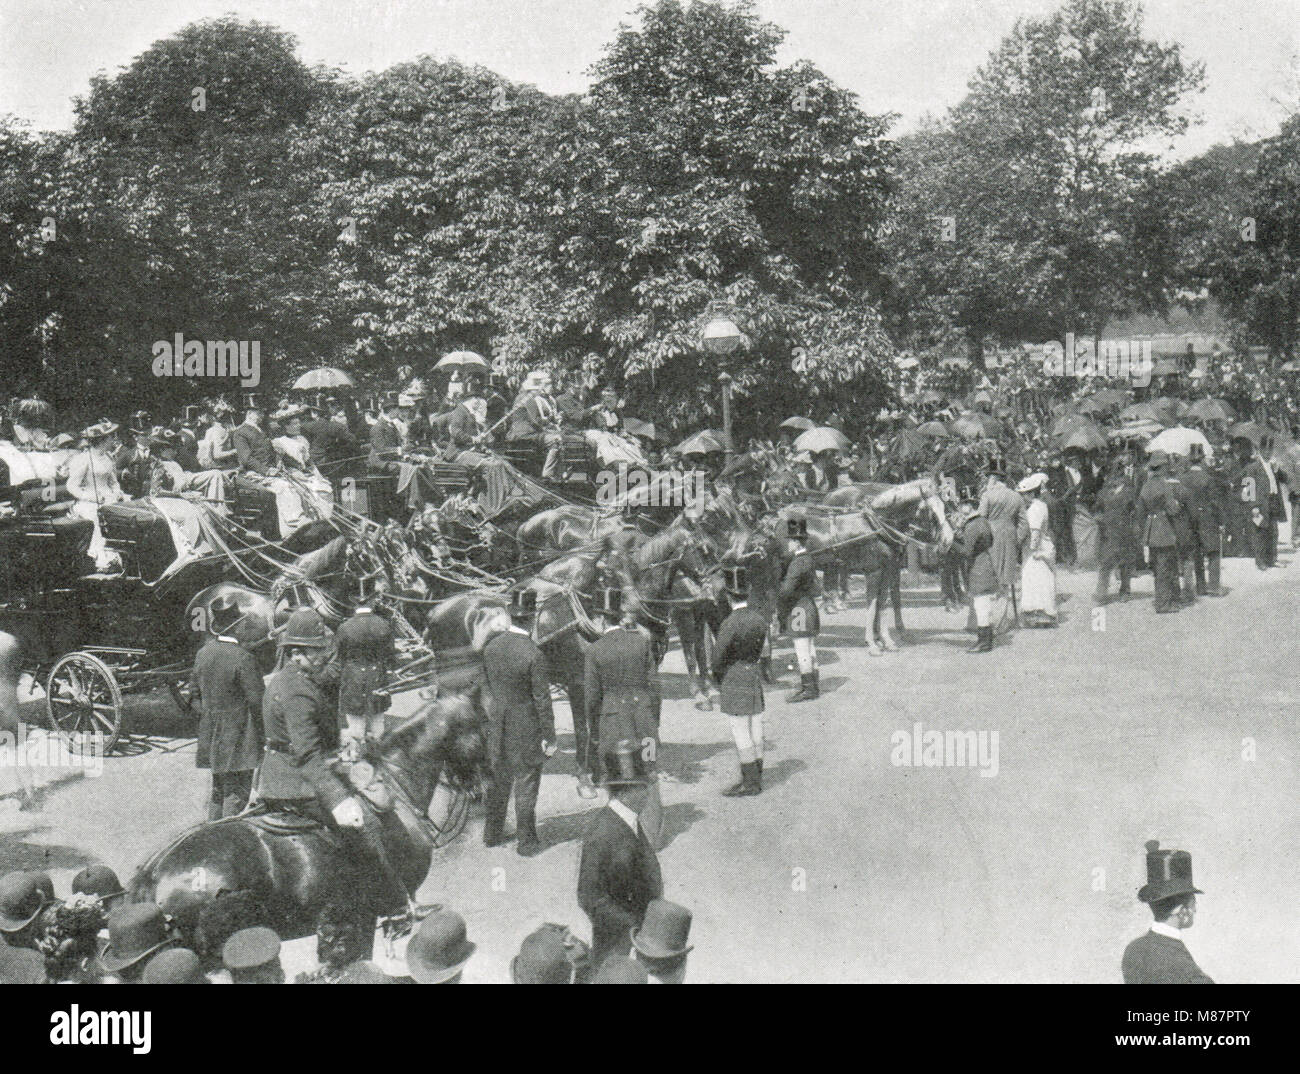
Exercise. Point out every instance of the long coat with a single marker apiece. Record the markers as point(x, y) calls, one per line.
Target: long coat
point(302, 733)
point(1160, 510)
point(1156, 959)
point(796, 607)
point(229, 689)
point(621, 688)
point(975, 542)
point(618, 876)
point(1005, 512)
point(735, 661)
point(1204, 494)
point(516, 691)
point(253, 448)
point(1117, 522)
point(365, 651)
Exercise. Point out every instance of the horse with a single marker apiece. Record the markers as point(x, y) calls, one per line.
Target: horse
point(294, 867)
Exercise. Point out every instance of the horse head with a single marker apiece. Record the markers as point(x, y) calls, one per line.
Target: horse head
point(446, 733)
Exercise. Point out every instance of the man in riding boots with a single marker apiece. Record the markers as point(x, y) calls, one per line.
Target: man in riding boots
point(366, 652)
point(737, 653)
point(516, 692)
point(796, 608)
point(302, 740)
point(228, 687)
point(621, 692)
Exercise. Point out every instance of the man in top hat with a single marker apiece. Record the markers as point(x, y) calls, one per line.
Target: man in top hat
point(1160, 513)
point(227, 686)
point(1160, 956)
point(618, 873)
point(252, 446)
point(135, 464)
point(796, 609)
point(253, 957)
point(22, 898)
point(366, 650)
point(135, 932)
point(736, 657)
point(550, 954)
point(1118, 547)
point(974, 539)
point(332, 446)
point(437, 951)
point(100, 883)
point(384, 462)
point(1257, 489)
point(515, 689)
point(302, 742)
point(1204, 495)
point(660, 942)
point(1004, 510)
point(621, 695)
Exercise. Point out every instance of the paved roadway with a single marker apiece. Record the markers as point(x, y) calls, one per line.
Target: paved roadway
point(852, 868)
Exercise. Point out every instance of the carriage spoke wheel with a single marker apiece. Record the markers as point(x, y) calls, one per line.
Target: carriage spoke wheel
point(447, 813)
point(84, 699)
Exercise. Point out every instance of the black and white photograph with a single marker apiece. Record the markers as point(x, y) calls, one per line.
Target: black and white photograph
point(666, 492)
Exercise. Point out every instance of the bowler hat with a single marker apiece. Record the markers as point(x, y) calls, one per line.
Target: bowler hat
point(796, 529)
point(135, 931)
point(176, 965)
point(249, 949)
point(224, 613)
point(439, 948)
point(736, 580)
point(306, 628)
point(618, 969)
point(523, 603)
point(542, 959)
point(99, 881)
point(21, 966)
point(1169, 873)
point(624, 766)
point(22, 897)
point(610, 601)
point(663, 930)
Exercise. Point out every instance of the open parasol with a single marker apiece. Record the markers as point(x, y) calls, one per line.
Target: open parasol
point(934, 428)
point(637, 427)
point(1178, 441)
point(462, 359)
point(702, 443)
point(1084, 438)
point(1137, 429)
point(324, 377)
point(822, 438)
point(974, 425)
point(801, 424)
point(1248, 430)
point(1211, 410)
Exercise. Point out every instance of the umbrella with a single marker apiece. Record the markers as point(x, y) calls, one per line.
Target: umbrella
point(701, 444)
point(1210, 410)
point(975, 425)
point(1069, 422)
point(1106, 399)
point(637, 427)
point(1178, 441)
point(325, 377)
point(802, 424)
point(1083, 438)
point(908, 444)
point(1167, 405)
point(933, 396)
point(823, 438)
point(1139, 412)
point(1137, 429)
point(1248, 430)
point(462, 358)
point(934, 428)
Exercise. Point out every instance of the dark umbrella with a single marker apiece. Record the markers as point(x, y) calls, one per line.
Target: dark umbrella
point(1210, 410)
point(1248, 430)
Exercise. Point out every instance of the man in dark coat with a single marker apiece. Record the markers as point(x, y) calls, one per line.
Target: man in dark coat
point(1160, 956)
point(737, 653)
point(228, 687)
point(621, 695)
point(1118, 547)
point(1205, 496)
point(334, 449)
point(1160, 512)
point(618, 873)
point(252, 445)
point(516, 692)
point(366, 650)
point(975, 539)
point(384, 462)
point(796, 609)
point(1258, 490)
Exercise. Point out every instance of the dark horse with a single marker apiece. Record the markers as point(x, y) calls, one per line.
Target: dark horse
point(293, 867)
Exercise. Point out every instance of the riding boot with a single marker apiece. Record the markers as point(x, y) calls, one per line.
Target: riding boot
point(392, 894)
point(749, 783)
point(816, 684)
point(807, 689)
point(983, 641)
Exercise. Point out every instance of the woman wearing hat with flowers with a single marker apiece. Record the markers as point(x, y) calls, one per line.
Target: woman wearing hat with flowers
point(93, 483)
point(1038, 572)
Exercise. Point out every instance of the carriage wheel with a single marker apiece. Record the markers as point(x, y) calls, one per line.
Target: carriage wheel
point(83, 698)
point(447, 813)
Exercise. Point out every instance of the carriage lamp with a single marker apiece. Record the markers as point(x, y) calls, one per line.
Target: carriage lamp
point(721, 336)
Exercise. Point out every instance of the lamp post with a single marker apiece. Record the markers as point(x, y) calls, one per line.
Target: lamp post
point(722, 337)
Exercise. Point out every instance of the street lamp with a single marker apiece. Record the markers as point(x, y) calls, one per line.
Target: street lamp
point(722, 337)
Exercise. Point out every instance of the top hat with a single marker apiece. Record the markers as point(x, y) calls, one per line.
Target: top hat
point(624, 766)
point(176, 965)
point(135, 931)
point(1169, 873)
point(251, 401)
point(223, 613)
point(996, 469)
point(306, 628)
point(22, 897)
point(736, 580)
point(663, 931)
point(99, 881)
point(439, 948)
point(190, 414)
point(523, 603)
point(796, 529)
point(249, 949)
point(542, 959)
point(21, 966)
point(1195, 451)
point(617, 969)
point(140, 422)
point(609, 601)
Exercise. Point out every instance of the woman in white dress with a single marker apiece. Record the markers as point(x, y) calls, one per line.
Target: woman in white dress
point(1038, 572)
point(92, 483)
